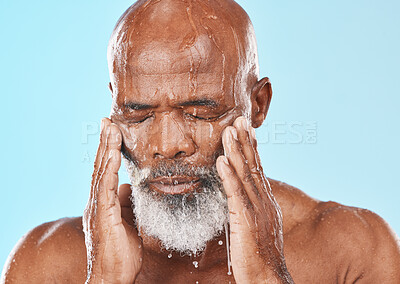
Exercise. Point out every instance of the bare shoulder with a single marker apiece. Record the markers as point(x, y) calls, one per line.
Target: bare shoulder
point(296, 206)
point(357, 243)
point(363, 239)
point(53, 252)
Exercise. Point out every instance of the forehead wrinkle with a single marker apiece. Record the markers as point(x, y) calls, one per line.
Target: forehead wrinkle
point(160, 56)
point(206, 82)
point(229, 24)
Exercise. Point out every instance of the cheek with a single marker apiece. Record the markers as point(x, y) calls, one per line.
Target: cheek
point(134, 141)
point(206, 135)
point(208, 138)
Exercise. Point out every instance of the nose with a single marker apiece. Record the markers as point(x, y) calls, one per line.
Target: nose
point(171, 139)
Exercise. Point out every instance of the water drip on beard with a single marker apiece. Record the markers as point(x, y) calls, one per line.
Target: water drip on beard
point(227, 248)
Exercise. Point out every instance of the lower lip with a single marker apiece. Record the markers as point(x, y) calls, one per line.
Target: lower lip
point(181, 188)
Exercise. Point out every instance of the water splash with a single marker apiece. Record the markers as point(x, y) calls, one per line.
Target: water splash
point(196, 264)
point(227, 248)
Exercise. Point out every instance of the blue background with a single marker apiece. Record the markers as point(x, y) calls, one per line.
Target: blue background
point(333, 127)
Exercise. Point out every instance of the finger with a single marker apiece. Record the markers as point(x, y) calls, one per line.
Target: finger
point(105, 206)
point(248, 141)
point(249, 145)
point(91, 204)
point(124, 194)
point(107, 183)
point(105, 122)
point(235, 156)
point(238, 202)
point(231, 183)
point(93, 210)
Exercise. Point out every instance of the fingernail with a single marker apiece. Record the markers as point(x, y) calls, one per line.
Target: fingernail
point(224, 160)
point(252, 132)
point(223, 165)
point(234, 133)
point(244, 124)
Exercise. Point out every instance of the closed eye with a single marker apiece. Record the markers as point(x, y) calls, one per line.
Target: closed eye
point(142, 120)
point(136, 119)
point(201, 117)
point(206, 116)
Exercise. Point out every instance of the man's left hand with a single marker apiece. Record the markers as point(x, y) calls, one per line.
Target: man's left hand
point(256, 238)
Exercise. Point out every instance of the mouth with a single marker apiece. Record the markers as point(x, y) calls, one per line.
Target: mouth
point(175, 184)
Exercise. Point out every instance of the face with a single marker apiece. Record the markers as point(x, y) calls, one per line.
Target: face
point(173, 104)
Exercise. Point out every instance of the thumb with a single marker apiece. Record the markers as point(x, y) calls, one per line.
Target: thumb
point(124, 194)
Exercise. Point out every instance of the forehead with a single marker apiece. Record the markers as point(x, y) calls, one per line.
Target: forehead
point(172, 70)
point(175, 57)
point(173, 49)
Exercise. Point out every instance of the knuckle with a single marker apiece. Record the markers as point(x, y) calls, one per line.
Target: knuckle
point(248, 205)
point(247, 176)
point(254, 143)
point(254, 169)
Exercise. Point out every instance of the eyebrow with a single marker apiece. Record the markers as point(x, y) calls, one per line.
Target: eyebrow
point(201, 102)
point(137, 106)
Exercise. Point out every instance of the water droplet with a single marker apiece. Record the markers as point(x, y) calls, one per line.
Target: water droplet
point(229, 273)
point(220, 243)
point(170, 255)
point(197, 282)
point(196, 264)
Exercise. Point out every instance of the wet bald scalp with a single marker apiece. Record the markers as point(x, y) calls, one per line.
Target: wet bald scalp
point(173, 27)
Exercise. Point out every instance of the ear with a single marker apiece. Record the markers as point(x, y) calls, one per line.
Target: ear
point(261, 96)
point(110, 88)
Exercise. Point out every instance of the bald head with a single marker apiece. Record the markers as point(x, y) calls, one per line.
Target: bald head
point(189, 36)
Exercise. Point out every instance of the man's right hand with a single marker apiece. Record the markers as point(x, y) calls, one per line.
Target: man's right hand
point(114, 249)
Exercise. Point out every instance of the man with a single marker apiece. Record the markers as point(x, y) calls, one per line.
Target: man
point(186, 100)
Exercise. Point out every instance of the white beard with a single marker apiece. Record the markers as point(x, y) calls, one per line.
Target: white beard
point(183, 223)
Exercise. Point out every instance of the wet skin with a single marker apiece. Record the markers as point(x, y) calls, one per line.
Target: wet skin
point(181, 90)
